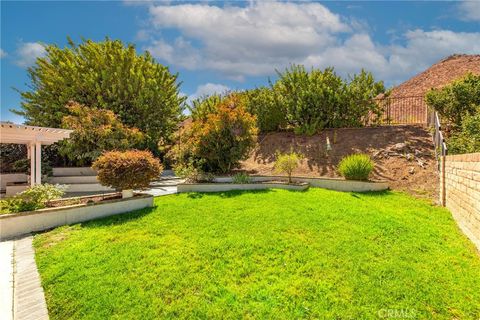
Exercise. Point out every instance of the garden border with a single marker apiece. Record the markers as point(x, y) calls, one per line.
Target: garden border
point(326, 183)
point(220, 187)
point(17, 224)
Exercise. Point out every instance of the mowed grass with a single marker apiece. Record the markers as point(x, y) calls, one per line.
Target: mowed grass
point(273, 254)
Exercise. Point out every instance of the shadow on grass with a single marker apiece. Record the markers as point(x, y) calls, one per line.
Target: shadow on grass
point(225, 194)
point(372, 194)
point(123, 218)
point(118, 219)
point(234, 193)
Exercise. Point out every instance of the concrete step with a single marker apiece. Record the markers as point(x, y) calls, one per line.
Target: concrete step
point(73, 179)
point(166, 182)
point(78, 171)
point(86, 187)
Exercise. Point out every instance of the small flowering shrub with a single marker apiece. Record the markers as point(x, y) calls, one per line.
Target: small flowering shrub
point(192, 173)
point(124, 170)
point(34, 198)
point(217, 141)
point(356, 167)
point(287, 163)
point(242, 178)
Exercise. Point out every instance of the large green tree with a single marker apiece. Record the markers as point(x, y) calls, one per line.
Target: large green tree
point(104, 75)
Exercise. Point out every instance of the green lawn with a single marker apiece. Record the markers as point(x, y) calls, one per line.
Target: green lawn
point(269, 254)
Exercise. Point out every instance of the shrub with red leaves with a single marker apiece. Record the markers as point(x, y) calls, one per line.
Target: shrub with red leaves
point(132, 169)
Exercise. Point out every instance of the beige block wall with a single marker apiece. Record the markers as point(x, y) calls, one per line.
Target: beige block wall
point(462, 192)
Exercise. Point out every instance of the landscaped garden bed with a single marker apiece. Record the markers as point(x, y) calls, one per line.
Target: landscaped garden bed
point(258, 185)
point(326, 183)
point(264, 254)
point(67, 211)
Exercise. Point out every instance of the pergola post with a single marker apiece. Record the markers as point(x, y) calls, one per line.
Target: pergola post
point(31, 153)
point(38, 162)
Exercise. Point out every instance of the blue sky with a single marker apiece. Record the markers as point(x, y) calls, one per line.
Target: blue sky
point(215, 46)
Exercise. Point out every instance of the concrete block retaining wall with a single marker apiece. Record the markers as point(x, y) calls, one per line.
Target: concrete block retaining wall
point(13, 225)
point(460, 192)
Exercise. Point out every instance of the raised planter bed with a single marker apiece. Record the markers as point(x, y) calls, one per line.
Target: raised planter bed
point(219, 187)
point(17, 224)
point(326, 183)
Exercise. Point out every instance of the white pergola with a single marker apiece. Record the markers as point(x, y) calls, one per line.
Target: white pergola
point(33, 137)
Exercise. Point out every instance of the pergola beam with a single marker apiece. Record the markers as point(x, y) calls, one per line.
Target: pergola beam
point(33, 137)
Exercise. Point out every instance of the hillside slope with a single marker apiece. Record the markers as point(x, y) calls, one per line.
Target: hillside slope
point(404, 155)
point(438, 75)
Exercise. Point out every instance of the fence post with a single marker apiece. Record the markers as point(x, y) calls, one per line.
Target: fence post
point(443, 197)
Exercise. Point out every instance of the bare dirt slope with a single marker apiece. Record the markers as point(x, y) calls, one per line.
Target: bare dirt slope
point(404, 155)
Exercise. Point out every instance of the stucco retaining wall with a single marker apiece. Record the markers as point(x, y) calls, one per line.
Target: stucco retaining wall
point(460, 192)
point(326, 183)
point(13, 225)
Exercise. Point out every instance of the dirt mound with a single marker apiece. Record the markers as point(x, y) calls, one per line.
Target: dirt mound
point(404, 155)
point(439, 75)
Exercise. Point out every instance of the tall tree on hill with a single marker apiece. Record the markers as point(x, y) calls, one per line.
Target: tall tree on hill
point(104, 75)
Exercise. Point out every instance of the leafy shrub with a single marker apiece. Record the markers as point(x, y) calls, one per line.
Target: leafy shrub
point(242, 178)
point(126, 170)
point(356, 167)
point(218, 142)
point(456, 100)
point(459, 106)
point(33, 198)
point(192, 174)
point(358, 104)
point(467, 139)
point(10, 153)
point(203, 106)
point(287, 163)
point(95, 131)
point(23, 165)
point(263, 103)
point(314, 100)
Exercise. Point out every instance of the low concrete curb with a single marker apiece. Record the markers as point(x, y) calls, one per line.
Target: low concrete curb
point(219, 187)
point(326, 183)
point(14, 225)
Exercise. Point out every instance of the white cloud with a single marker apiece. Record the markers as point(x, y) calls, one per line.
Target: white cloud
point(470, 10)
point(3, 54)
point(424, 48)
point(180, 53)
point(28, 52)
point(264, 36)
point(142, 35)
point(255, 38)
point(208, 89)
